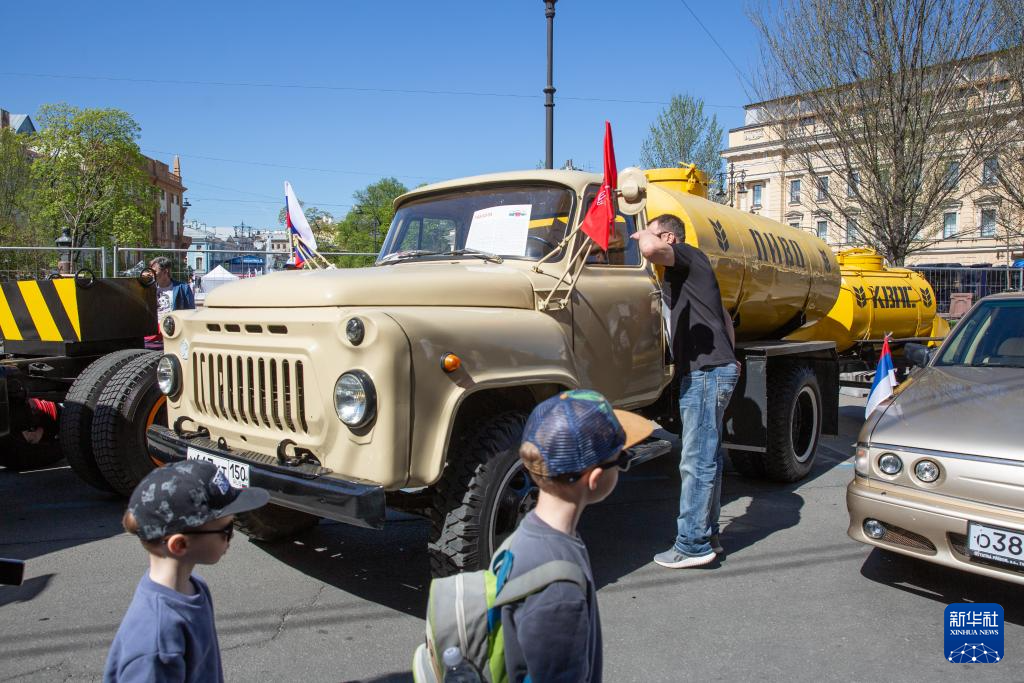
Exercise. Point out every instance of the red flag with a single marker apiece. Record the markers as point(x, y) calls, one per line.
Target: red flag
point(601, 215)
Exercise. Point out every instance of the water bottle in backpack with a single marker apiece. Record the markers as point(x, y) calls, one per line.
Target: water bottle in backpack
point(458, 669)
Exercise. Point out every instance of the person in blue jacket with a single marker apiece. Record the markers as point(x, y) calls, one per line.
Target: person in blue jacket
point(171, 295)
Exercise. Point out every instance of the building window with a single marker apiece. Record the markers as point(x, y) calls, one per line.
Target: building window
point(990, 172)
point(949, 225)
point(199, 263)
point(822, 188)
point(851, 183)
point(823, 230)
point(952, 176)
point(163, 195)
point(794, 191)
point(852, 232)
point(756, 196)
point(794, 224)
point(988, 222)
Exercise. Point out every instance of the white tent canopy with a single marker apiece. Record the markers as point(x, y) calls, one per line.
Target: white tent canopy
point(220, 274)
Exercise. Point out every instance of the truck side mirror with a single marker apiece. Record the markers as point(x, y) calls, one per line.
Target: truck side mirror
point(918, 354)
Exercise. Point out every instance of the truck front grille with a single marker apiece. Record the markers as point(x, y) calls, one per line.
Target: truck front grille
point(251, 390)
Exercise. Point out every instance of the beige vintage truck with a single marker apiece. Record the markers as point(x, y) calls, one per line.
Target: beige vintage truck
point(407, 383)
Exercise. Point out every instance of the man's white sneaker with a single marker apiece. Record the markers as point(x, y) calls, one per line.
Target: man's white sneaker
point(673, 559)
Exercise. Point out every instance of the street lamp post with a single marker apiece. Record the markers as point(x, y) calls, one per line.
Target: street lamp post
point(64, 243)
point(732, 190)
point(549, 91)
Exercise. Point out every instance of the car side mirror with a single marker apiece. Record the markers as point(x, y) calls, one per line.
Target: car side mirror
point(918, 354)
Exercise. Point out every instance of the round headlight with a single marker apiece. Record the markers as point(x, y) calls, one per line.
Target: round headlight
point(355, 399)
point(355, 331)
point(168, 325)
point(874, 528)
point(927, 471)
point(167, 374)
point(890, 463)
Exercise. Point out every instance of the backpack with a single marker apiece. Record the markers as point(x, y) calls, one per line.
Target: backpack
point(464, 610)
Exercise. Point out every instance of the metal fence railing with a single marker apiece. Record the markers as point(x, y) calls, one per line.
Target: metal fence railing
point(956, 288)
point(40, 263)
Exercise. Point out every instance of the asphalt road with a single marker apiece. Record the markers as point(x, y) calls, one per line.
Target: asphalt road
point(793, 599)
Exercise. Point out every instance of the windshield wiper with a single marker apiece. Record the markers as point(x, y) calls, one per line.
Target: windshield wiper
point(416, 253)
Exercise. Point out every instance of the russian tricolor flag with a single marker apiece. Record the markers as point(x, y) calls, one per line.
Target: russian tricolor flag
point(298, 227)
point(885, 380)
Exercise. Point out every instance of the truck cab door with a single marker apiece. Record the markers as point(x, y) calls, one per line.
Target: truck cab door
point(618, 333)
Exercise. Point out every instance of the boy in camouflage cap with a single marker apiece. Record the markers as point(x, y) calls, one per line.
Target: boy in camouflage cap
point(183, 514)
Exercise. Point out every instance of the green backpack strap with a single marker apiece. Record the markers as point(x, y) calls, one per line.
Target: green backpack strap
point(538, 579)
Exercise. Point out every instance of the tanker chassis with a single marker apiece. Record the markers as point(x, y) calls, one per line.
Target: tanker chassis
point(407, 384)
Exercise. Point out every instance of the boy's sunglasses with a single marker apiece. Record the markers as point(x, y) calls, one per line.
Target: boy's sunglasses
point(228, 532)
point(622, 461)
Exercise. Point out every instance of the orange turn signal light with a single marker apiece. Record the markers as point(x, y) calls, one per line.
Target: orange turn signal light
point(450, 362)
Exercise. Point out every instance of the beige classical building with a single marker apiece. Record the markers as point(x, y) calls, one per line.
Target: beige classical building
point(782, 189)
point(169, 219)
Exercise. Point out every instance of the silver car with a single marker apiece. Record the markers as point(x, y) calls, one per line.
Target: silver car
point(940, 465)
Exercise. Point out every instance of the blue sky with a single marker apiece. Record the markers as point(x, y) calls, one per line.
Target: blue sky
point(343, 129)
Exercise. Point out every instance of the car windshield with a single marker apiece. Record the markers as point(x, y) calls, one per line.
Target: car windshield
point(991, 336)
point(521, 221)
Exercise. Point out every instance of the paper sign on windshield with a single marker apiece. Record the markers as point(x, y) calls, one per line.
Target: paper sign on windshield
point(500, 229)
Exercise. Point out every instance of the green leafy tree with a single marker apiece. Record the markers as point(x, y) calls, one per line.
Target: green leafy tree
point(320, 222)
point(90, 176)
point(684, 134)
point(365, 226)
point(15, 185)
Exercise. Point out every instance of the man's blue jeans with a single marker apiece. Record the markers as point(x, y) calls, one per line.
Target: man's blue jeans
point(703, 397)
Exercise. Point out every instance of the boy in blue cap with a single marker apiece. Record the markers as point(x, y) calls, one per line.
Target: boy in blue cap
point(183, 515)
point(573, 447)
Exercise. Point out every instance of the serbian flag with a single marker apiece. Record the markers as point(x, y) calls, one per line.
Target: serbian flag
point(885, 380)
point(601, 215)
point(298, 226)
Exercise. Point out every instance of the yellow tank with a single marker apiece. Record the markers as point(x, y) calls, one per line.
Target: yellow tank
point(875, 301)
point(774, 278)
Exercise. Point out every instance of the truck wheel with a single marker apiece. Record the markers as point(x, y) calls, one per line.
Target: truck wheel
point(274, 522)
point(126, 406)
point(749, 465)
point(794, 423)
point(76, 417)
point(483, 494)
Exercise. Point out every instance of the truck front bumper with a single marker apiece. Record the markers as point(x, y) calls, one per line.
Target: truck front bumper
point(306, 488)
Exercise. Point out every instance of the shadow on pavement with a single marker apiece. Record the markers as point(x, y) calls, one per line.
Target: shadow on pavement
point(942, 584)
point(387, 678)
point(389, 567)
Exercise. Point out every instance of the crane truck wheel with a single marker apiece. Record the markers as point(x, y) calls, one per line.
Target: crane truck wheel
point(274, 522)
point(794, 422)
point(76, 417)
point(483, 493)
point(127, 405)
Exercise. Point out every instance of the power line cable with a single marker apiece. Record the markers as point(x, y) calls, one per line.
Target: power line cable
point(386, 91)
point(721, 49)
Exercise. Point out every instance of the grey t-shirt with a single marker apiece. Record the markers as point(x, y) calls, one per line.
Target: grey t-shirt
point(553, 635)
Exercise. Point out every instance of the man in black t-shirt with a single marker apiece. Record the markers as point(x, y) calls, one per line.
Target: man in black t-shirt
point(703, 353)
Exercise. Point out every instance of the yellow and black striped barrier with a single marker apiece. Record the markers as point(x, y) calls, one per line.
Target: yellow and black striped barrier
point(46, 316)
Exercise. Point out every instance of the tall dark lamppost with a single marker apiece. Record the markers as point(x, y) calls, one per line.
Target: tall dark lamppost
point(732, 190)
point(64, 243)
point(549, 91)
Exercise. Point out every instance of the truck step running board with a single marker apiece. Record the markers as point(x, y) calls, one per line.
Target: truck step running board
point(648, 450)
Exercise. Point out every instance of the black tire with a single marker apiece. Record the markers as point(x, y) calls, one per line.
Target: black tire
point(794, 422)
point(750, 465)
point(18, 455)
point(274, 523)
point(119, 424)
point(481, 497)
point(76, 417)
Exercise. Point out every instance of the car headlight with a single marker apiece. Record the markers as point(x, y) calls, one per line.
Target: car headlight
point(927, 471)
point(890, 463)
point(355, 399)
point(168, 375)
point(355, 331)
point(169, 326)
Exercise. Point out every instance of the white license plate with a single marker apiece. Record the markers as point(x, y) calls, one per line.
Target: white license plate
point(992, 543)
point(236, 472)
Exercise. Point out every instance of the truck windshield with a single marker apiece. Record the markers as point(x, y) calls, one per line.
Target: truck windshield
point(992, 335)
point(521, 221)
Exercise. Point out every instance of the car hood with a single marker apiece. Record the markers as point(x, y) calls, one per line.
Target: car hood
point(445, 283)
point(976, 411)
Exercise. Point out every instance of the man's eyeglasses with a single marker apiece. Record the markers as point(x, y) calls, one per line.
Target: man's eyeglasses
point(228, 532)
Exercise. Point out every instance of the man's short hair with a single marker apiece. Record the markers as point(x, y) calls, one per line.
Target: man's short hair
point(162, 261)
point(672, 224)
